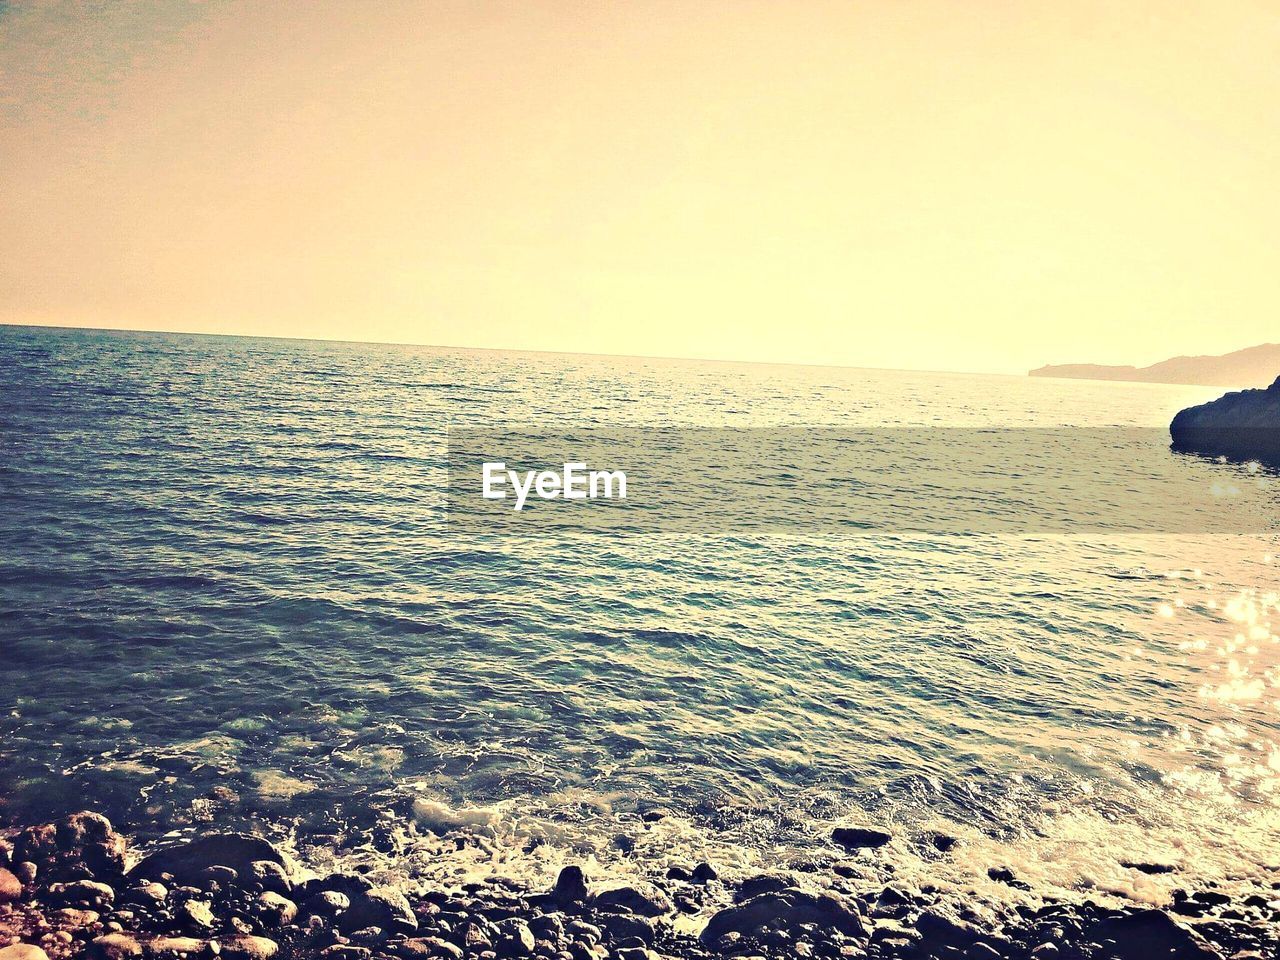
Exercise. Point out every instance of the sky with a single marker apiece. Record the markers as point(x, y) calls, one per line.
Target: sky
point(982, 185)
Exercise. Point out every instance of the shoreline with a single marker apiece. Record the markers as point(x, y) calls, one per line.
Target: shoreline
point(78, 888)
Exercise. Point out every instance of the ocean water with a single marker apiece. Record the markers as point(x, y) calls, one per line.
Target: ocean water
point(228, 595)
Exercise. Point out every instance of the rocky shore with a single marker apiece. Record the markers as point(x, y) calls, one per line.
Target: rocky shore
point(1242, 425)
point(75, 889)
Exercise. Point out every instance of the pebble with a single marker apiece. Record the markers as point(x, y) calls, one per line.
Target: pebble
point(347, 917)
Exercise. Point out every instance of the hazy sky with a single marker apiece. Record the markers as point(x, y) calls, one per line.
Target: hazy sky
point(974, 184)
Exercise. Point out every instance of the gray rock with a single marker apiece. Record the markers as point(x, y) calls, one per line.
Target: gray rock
point(196, 915)
point(272, 876)
point(219, 874)
point(246, 947)
point(10, 887)
point(571, 885)
point(789, 908)
point(173, 948)
point(761, 883)
point(74, 918)
point(642, 899)
point(327, 903)
point(383, 907)
point(187, 861)
point(344, 951)
point(114, 946)
point(146, 895)
point(515, 939)
point(82, 893)
point(586, 932)
point(275, 910)
point(940, 929)
point(1153, 869)
point(80, 828)
point(704, 873)
point(422, 948)
point(22, 951)
point(855, 838)
point(1151, 933)
point(622, 926)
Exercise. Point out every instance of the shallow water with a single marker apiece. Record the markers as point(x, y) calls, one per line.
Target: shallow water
point(228, 594)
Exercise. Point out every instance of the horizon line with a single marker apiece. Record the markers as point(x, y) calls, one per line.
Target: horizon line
point(562, 353)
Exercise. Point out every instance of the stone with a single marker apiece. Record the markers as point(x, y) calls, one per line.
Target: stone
point(327, 903)
point(246, 947)
point(22, 951)
point(73, 918)
point(83, 893)
point(114, 946)
point(571, 885)
point(35, 844)
point(939, 929)
point(1151, 933)
point(1006, 876)
point(788, 908)
point(271, 876)
point(275, 910)
point(762, 883)
point(383, 907)
point(1153, 869)
point(173, 948)
point(10, 886)
point(704, 873)
point(622, 926)
point(75, 831)
point(515, 939)
point(855, 838)
point(196, 915)
point(642, 899)
point(219, 874)
point(422, 948)
point(942, 842)
point(186, 861)
point(345, 951)
point(586, 932)
point(146, 894)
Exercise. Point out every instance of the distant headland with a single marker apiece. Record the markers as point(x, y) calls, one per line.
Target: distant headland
point(1251, 367)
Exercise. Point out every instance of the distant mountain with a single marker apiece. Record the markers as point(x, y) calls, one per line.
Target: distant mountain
point(1251, 367)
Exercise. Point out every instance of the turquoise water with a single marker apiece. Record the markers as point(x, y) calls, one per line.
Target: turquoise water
point(227, 594)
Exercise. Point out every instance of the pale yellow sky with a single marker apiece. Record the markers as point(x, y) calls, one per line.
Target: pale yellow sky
point(909, 183)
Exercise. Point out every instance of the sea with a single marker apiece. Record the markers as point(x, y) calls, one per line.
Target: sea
point(231, 597)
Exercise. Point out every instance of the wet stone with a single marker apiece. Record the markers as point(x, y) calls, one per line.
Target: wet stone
point(247, 947)
point(22, 951)
point(10, 886)
point(114, 946)
point(855, 838)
